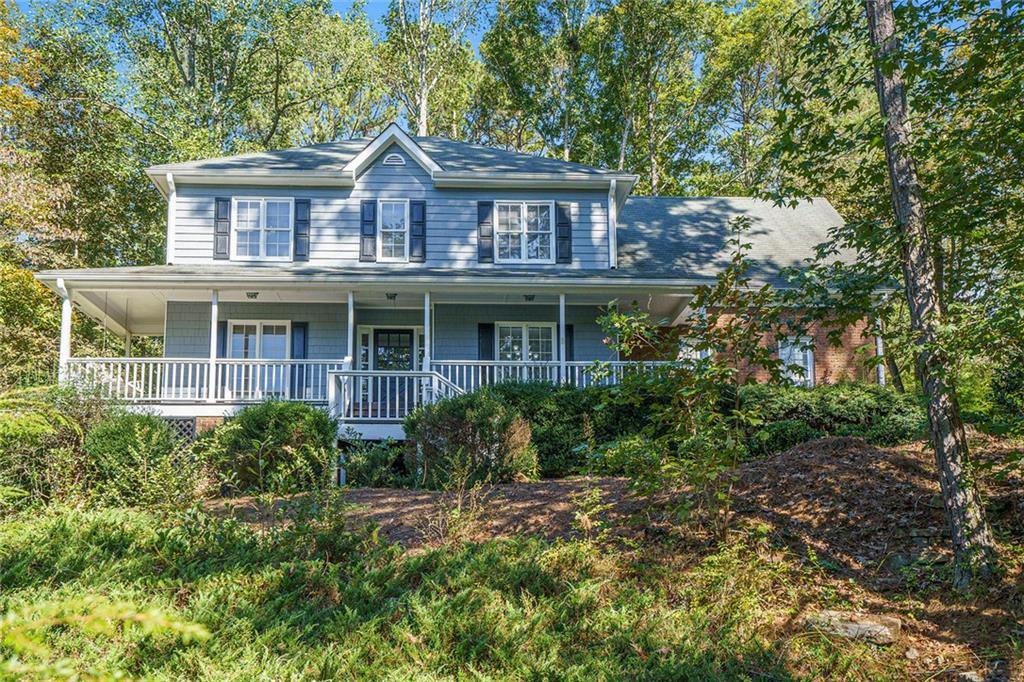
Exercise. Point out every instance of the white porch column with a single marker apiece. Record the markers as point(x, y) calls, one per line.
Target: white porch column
point(128, 345)
point(351, 330)
point(880, 353)
point(211, 372)
point(428, 346)
point(64, 352)
point(563, 368)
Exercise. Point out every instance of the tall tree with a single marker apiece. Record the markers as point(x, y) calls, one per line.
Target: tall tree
point(952, 235)
point(973, 544)
point(425, 51)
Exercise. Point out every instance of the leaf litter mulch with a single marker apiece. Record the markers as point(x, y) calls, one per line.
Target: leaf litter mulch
point(868, 519)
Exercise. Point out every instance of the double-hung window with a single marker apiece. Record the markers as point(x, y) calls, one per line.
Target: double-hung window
point(525, 231)
point(797, 352)
point(393, 230)
point(525, 342)
point(262, 229)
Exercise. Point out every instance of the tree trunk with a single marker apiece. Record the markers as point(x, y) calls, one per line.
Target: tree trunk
point(894, 373)
point(973, 544)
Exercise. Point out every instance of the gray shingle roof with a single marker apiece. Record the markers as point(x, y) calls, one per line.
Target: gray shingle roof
point(688, 237)
point(332, 156)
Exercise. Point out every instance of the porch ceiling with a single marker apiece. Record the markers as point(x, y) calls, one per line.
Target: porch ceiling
point(142, 311)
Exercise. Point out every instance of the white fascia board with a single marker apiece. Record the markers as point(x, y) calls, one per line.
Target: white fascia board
point(391, 134)
point(523, 180)
point(254, 177)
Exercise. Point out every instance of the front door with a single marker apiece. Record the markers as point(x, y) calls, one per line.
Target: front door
point(392, 352)
point(392, 349)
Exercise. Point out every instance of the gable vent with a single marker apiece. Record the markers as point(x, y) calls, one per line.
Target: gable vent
point(394, 160)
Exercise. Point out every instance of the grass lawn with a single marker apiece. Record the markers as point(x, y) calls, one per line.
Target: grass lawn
point(320, 596)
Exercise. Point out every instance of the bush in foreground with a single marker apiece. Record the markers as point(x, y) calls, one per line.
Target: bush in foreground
point(136, 459)
point(792, 414)
point(468, 439)
point(274, 446)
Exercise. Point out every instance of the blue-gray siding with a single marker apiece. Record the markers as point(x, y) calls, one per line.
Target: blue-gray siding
point(455, 327)
point(451, 217)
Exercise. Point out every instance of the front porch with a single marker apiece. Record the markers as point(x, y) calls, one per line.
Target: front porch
point(370, 356)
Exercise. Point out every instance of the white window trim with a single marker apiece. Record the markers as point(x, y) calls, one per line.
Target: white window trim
point(380, 232)
point(525, 336)
point(259, 338)
point(263, 229)
point(806, 345)
point(522, 234)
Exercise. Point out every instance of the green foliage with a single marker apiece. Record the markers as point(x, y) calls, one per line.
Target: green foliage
point(135, 459)
point(315, 600)
point(468, 439)
point(566, 422)
point(41, 432)
point(1008, 387)
point(374, 464)
point(781, 435)
point(274, 446)
point(794, 414)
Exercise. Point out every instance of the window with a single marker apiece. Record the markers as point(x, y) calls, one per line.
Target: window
point(393, 231)
point(394, 160)
point(262, 229)
point(799, 352)
point(258, 340)
point(522, 341)
point(688, 350)
point(524, 231)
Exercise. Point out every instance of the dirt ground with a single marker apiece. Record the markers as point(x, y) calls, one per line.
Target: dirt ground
point(870, 518)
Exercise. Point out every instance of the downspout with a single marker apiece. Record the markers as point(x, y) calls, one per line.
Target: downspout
point(172, 204)
point(613, 242)
point(879, 353)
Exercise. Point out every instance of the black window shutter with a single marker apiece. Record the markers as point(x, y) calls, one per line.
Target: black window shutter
point(221, 228)
point(417, 231)
point(301, 229)
point(485, 333)
point(563, 233)
point(222, 338)
point(485, 232)
point(300, 340)
point(368, 231)
point(570, 354)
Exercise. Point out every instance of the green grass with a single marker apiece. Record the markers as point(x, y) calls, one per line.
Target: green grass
point(319, 601)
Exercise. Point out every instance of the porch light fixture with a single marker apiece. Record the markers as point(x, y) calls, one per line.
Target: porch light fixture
point(528, 297)
point(251, 295)
point(391, 296)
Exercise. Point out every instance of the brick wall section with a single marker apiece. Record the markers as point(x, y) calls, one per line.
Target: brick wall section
point(831, 363)
point(204, 424)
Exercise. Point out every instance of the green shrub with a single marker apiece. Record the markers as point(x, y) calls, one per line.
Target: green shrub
point(468, 439)
point(1008, 387)
point(373, 464)
point(275, 446)
point(41, 432)
point(136, 460)
point(782, 435)
point(567, 422)
point(877, 413)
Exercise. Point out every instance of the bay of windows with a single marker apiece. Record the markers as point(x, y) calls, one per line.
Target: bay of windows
point(524, 231)
point(525, 342)
point(262, 229)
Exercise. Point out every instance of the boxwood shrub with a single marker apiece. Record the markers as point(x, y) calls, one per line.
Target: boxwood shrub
point(275, 446)
point(475, 437)
point(794, 414)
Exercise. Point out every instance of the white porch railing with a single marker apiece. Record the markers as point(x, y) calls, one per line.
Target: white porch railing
point(354, 395)
point(146, 380)
point(371, 395)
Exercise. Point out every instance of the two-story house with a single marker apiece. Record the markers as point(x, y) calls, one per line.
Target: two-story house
point(368, 276)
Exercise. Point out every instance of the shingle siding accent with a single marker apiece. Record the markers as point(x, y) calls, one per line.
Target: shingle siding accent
point(188, 325)
point(451, 218)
